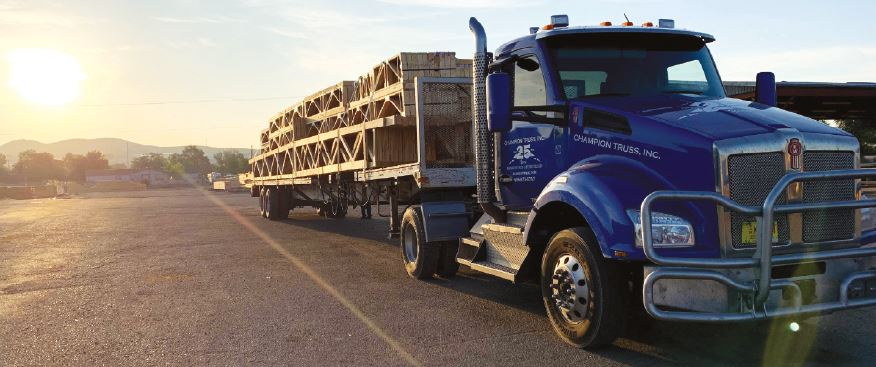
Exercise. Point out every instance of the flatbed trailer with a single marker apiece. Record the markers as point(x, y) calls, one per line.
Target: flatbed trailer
point(421, 151)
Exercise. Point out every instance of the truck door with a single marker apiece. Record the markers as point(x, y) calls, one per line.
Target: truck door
point(529, 154)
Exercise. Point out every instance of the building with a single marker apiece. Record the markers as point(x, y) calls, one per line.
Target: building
point(149, 177)
point(820, 101)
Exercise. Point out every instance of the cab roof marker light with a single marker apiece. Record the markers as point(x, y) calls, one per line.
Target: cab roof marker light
point(627, 24)
point(647, 24)
point(560, 20)
point(666, 23)
point(605, 24)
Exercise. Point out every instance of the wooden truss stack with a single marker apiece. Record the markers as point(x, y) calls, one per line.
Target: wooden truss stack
point(369, 123)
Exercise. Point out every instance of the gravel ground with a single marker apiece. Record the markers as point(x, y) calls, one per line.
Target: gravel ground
point(187, 277)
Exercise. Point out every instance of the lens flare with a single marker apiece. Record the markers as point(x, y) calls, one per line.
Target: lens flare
point(795, 327)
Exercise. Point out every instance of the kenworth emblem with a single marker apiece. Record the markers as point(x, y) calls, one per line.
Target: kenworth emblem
point(795, 149)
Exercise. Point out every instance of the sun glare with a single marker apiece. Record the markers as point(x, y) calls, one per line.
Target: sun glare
point(45, 77)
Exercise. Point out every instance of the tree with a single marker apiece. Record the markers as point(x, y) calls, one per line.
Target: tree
point(192, 160)
point(153, 161)
point(77, 164)
point(230, 162)
point(38, 166)
point(2, 164)
point(865, 131)
point(173, 167)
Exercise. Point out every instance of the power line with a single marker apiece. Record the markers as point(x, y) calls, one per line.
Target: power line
point(191, 101)
point(186, 101)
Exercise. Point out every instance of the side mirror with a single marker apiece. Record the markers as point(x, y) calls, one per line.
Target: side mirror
point(499, 102)
point(765, 89)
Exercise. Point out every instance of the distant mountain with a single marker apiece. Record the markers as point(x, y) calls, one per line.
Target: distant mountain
point(116, 150)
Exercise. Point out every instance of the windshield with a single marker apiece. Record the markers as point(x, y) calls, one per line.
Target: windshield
point(634, 64)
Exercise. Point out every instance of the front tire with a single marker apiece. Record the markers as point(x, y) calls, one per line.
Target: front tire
point(582, 291)
point(420, 258)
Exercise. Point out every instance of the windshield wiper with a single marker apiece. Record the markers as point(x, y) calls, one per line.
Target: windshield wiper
point(603, 95)
point(683, 92)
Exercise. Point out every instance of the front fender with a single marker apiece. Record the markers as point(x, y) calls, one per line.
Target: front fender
point(603, 188)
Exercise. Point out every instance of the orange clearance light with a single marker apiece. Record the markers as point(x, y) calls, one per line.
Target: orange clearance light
point(627, 24)
point(605, 24)
point(548, 27)
point(647, 24)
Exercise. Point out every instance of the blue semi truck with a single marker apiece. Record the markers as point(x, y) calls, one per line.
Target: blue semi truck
point(609, 166)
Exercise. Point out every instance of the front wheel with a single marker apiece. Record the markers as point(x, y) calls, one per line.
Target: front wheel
point(582, 292)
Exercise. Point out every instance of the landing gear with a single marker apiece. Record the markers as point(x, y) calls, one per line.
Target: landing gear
point(582, 292)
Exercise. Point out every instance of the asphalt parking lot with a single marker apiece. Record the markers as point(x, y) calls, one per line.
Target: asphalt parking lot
point(188, 277)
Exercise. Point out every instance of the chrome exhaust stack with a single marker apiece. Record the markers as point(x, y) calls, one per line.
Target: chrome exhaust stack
point(483, 139)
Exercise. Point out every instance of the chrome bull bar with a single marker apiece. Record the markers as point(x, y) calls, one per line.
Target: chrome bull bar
point(762, 260)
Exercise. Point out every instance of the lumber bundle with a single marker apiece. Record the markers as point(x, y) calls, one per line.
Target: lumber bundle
point(354, 125)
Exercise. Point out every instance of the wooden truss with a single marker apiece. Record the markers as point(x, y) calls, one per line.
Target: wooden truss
point(368, 123)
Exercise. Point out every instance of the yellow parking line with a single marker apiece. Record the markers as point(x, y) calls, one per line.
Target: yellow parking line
point(307, 270)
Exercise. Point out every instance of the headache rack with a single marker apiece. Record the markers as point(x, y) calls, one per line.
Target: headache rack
point(757, 291)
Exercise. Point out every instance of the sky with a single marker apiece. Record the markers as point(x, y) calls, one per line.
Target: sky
point(213, 71)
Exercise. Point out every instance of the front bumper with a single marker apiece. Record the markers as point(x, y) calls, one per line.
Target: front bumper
point(740, 289)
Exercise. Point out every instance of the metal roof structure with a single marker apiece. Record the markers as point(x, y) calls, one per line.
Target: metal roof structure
point(820, 101)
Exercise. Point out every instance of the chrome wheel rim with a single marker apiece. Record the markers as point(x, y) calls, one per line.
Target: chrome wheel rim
point(570, 291)
point(409, 244)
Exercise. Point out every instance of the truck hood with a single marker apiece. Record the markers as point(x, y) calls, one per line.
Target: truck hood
point(713, 118)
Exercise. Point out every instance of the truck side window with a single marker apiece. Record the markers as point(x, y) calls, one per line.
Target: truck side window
point(582, 83)
point(529, 89)
point(687, 76)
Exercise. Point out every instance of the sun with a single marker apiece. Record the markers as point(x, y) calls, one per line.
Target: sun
point(45, 77)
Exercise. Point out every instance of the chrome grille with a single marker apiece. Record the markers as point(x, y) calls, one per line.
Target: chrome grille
point(832, 224)
point(751, 178)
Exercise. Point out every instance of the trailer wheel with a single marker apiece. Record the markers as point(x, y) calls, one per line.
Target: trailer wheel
point(272, 203)
point(285, 198)
point(262, 194)
point(582, 292)
point(447, 265)
point(420, 258)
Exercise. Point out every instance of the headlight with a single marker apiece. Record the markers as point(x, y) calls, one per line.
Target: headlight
point(868, 217)
point(666, 230)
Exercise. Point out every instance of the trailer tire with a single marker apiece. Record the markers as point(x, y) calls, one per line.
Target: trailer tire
point(420, 258)
point(447, 265)
point(285, 203)
point(272, 203)
point(573, 266)
point(262, 195)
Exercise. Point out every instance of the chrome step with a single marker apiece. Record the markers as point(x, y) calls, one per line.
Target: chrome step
point(496, 270)
point(504, 245)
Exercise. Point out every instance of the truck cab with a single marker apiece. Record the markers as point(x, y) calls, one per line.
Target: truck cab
point(612, 166)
